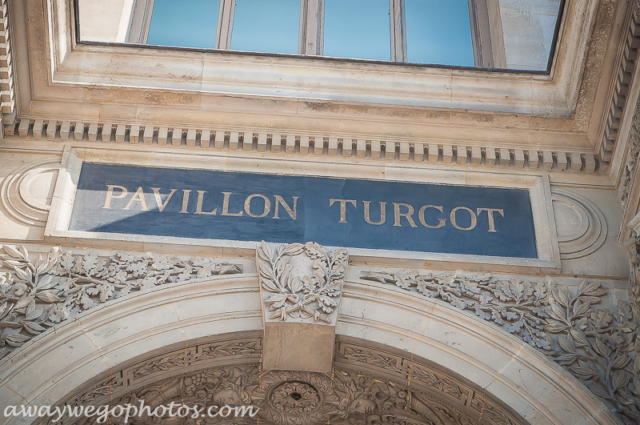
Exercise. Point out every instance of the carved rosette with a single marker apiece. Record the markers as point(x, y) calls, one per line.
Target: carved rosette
point(37, 294)
point(597, 345)
point(295, 397)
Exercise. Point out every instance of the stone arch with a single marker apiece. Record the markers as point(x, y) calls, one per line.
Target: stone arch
point(111, 336)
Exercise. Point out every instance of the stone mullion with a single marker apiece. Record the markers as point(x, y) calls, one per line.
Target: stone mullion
point(311, 41)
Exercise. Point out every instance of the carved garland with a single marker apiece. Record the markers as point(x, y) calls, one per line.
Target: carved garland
point(312, 297)
point(36, 295)
point(599, 347)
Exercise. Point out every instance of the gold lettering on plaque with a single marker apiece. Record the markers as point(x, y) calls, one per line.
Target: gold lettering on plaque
point(138, 197)
point(110, 195)
point(490, 211)
point(185, 201)
point(343, 207)
point(265, 210)
point(200, 202)
point(423, 221)
point(293, 212)
point(383, 213)
point(225, 206)
point(474, 220)
point(156, 194)
point(397, 214)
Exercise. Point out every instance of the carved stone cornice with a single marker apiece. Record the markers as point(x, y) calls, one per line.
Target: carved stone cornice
point(629, 171)
point(7, 89)
point(620, 96)
point(35, 295)
point(598, 346)
point(301, 143)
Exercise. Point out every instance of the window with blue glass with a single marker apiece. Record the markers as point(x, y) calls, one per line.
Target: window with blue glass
point(452, 32)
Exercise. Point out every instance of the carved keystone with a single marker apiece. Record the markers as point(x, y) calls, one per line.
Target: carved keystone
point(301, 287)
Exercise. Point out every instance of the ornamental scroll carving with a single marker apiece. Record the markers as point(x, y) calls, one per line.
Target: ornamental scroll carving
point(38, 294)
point(598, 346)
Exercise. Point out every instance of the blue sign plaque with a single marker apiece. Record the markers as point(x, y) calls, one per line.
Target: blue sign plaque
point(338, 212)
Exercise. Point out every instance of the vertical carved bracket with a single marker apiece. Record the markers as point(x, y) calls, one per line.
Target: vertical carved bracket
point(301, 287)
point(633, 249)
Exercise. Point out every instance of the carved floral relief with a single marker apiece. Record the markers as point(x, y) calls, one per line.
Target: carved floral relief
point(295, 296)
point(300, 398)
point(35, 295)
point(597, 345)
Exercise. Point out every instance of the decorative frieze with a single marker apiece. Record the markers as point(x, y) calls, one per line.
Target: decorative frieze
point(35, 295)
point(419, 375)
point(354, 392)
point(597, 345)
point(620, 97)
point(307, 144)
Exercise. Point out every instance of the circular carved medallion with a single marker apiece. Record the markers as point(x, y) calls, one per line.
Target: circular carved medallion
point(295, 397)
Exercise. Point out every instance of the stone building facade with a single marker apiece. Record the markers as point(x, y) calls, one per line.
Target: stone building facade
point(105, 300)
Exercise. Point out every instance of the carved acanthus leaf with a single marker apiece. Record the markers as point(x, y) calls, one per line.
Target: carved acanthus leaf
point(515, 305)
point(301, 296)
point(598, 346)
point(36, 295)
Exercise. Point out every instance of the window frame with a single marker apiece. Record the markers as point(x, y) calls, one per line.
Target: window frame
point(484, 18)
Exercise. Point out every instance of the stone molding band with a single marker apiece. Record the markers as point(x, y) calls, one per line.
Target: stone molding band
point(299, 143)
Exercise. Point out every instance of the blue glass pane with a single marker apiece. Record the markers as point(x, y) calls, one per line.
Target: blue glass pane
point(266, 26)
point(187, 23)
point(358, 29)
point(439, 32)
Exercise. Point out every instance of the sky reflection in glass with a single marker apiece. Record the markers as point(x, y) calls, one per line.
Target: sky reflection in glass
point(266, 26)
point(187, 23)
point(357, 29)
point(439, 32)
